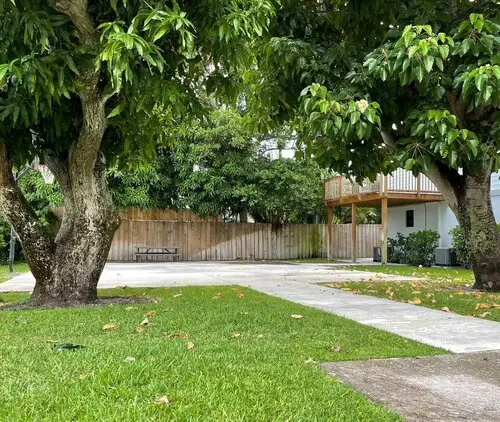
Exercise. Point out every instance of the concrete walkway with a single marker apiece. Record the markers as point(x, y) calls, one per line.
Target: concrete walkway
point(297, 283)
point(446, 388)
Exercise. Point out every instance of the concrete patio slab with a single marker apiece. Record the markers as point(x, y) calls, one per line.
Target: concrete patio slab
point(207, 273)
point(446, 388)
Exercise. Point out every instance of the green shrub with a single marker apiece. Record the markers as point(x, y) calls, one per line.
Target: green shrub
point(418, 248)
point(461, 246)
point(4, 241)
point(396, 249)
point(421, 247)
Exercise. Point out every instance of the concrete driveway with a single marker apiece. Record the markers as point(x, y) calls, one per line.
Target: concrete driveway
point(208, 274)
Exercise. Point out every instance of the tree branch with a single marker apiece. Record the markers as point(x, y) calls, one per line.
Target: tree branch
point(458, 107)
point(37, 243)
point(78, 13)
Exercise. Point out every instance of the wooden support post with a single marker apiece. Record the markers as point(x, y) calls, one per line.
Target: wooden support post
point(354, 242)
point(384, 231)
point(330, 234)
point(419, 185)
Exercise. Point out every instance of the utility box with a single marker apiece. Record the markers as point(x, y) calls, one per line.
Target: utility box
point(446, 257)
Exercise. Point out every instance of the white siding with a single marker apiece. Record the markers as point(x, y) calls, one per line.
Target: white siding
point(447, 221)
point(495, 184)
point(425, 218)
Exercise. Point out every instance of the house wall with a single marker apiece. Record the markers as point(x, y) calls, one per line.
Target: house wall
point(495, 195)
point(425, 218)
point(436, 216)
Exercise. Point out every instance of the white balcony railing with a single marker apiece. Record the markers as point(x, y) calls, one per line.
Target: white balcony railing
point(399, 181)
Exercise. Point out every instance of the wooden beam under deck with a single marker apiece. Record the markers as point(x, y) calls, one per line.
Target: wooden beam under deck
point(393, 199)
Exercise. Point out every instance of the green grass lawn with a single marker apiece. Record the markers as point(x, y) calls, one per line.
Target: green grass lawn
point(18, 268)
point(447, 289)
point(248, 361)
point(456, 274)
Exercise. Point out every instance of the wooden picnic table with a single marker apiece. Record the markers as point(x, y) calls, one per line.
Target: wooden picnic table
point(167, 251)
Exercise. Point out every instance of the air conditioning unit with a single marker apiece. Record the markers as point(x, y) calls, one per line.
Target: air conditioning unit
point(446, 257)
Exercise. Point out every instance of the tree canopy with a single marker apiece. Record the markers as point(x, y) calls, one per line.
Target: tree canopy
point(413, 84)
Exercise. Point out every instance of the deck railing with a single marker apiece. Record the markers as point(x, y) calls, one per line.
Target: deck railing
point(399, 181)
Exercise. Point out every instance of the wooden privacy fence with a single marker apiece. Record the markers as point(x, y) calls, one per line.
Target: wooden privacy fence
point(217, 241)
point(368, 237)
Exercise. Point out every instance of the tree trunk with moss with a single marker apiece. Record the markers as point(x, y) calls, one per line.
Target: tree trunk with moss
point(476, 218)
point(469, 197)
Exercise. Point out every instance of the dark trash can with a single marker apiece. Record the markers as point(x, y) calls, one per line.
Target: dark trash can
point(377, 254)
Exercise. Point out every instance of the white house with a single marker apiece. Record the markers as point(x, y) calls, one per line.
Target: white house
point(408, 204)
point(434, 216)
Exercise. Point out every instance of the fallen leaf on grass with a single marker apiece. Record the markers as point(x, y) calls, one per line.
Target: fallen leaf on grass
point(162, 400)
point(177, 335)
point(129, 308)
point(129, 359)
point(110, 326)
point(484, 314)
point(310, 360)
point(429, 294)
point(190, 345)
point(415, 301)
point(295, 316)
point(139, 329)
point(236, 335)
point(346, 289)
point(259, 336)
point(445, 309)
point(478, 295)
point(433, 300)
point(335, 348)
point(416, 292)
point(150, 314)
point(482, 306)
point(177, 295)
point(461, 292)
point(217, 296)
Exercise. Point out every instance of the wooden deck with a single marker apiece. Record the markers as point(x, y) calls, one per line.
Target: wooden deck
point(400, 188)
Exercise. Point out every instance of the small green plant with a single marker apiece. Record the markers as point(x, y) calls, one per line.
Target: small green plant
point(396, 249)
point(418, 248)
point(461, 245)
point(421, 247)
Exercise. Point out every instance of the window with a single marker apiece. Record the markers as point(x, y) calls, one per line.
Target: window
point(410, 218)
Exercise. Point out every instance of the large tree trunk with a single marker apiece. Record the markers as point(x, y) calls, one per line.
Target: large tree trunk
point(66, 268)
point(469, 197)
point(83, 241)
point(476, 218)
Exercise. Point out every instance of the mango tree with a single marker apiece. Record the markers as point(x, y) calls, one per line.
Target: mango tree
point(81, 81)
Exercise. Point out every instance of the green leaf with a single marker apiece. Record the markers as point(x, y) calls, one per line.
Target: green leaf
point(439, 63)
point(428, 63)
point(355, 117)
point(419, 71)
point(487, 93)
point(116, 111)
